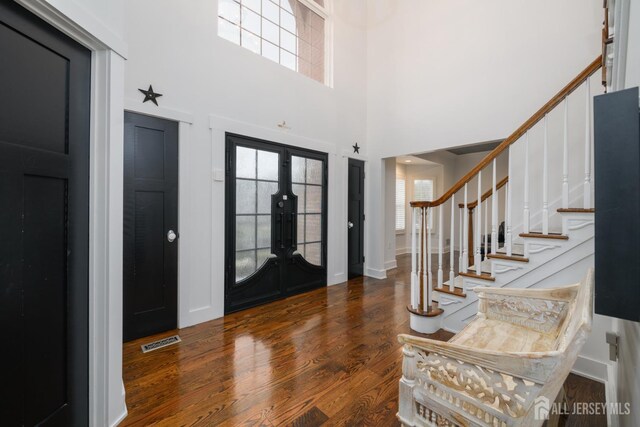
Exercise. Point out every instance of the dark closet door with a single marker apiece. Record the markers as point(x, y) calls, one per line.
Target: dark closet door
point(150, 262)
point(355, 223)
point(44, 212)
point(276, 223)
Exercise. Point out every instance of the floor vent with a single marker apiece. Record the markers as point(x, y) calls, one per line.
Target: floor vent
point(164, 342)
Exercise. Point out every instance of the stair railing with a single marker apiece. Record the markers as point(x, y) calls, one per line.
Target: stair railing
point(470, 248)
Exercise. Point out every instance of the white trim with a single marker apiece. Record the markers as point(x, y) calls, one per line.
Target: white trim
point(106, 390)
point(390, 265)
point(591, 368)
point(620, 44)
point(77, 23)
point(149, 109)
point(374, 273)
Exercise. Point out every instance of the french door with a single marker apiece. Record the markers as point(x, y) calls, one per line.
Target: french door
point(276, 224)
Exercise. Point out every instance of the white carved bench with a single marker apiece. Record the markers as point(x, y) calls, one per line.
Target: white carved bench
point(505, 366)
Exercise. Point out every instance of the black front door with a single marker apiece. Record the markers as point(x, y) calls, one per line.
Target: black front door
point(355, 223)
point(150, 262)
point(276, 203)
point(45, 82)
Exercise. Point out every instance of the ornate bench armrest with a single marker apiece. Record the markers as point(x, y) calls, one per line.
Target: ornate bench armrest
point(535, 367)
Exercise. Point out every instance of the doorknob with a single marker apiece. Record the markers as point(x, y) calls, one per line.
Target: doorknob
point(171, 236)
point(350, 225)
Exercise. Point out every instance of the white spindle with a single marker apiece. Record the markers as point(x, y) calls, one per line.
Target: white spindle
point(486, 229)
point(587, 149)
point(525, 214)
point(440, 247)
point(545, 179)
point(508, 238)
point(494, 212)
point(451, 240)
point(420, 257)
point(429, 272)
point(477, 260)
point(565, 157)
point(425, 262)
point(461, 244)
point(465, 237)
point(415, 293)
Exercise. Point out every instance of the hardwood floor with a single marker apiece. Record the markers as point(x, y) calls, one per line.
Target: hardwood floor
point(328, 357)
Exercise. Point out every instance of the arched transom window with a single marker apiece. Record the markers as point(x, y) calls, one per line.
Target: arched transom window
point(289, 32)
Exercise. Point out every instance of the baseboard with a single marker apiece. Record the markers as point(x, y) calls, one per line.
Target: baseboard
point(390, 265)
point(590, 368)
point(611, 394)
point(374, 273)
point(337, 279)
point(402, 251)
point(120, 418)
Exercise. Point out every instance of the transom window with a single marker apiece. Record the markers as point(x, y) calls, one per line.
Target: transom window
point(289, 32)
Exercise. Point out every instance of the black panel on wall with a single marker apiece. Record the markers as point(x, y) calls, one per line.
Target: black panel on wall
point(617, 203)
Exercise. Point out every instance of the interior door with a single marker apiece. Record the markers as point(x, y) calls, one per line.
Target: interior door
point(275, 223)
point(150, 250)
point(355, 224)
point(45, 82)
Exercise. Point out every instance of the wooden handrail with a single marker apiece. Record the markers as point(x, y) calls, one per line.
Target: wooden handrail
point(539, 115)
point(486, 194)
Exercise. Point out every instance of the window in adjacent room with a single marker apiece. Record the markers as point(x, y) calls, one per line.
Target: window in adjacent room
point(400, 204)
point(289, 32)
point(423, 191)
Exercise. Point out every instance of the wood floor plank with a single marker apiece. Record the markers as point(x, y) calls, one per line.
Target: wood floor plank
point(327, 357)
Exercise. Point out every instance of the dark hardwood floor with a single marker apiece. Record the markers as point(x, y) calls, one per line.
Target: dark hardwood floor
point(328, 357)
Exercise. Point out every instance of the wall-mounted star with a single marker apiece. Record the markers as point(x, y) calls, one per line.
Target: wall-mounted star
point(150, 95)
point(356, 148)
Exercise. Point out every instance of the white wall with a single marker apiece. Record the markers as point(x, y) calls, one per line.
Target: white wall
point(457, 72)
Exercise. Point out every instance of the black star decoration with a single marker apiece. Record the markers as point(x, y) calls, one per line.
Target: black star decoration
point(356, 148)
point(150, 95)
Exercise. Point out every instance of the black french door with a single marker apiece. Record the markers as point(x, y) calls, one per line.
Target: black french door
point(276, 222)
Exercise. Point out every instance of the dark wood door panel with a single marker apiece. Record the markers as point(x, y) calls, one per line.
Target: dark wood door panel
point(150, 211)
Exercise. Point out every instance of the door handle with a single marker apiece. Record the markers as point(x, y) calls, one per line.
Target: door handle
point(350, 225)
point(171, 236)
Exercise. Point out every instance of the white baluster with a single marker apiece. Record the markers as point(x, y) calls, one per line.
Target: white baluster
point(415, 293)
point(565, 157)
point(508, 238)
point(477, 260)
point(425, 262)
point(545, 179)
point(465, 237)
point(587, 149)
point(461, 245)
point(451, 240)
point(428, 251)
point(486, 228)
point(440, 247)
point(525, 214)
point(421, 258)
point(494, 212)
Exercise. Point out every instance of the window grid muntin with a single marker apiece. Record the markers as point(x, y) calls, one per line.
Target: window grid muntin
point(304, 243)
point(313, 7)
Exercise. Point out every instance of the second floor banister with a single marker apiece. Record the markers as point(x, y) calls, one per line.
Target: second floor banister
point(468, 237)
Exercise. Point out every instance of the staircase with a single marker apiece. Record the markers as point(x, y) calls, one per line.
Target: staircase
point(545, 203)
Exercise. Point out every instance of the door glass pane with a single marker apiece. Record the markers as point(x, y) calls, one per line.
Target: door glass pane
point(265, 191)
point(264, 231)
point(268, 165)
point(245, 232)
point(245, 163)
point(245, 196)
point(257, 179)
point(308, 176)
point(245, 264)
point(314, 171)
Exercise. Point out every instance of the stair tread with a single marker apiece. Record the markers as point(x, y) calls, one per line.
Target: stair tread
point(513, 257)
point(484, 275)
point(447, 290)
point(577, 210)
point(539, 235)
